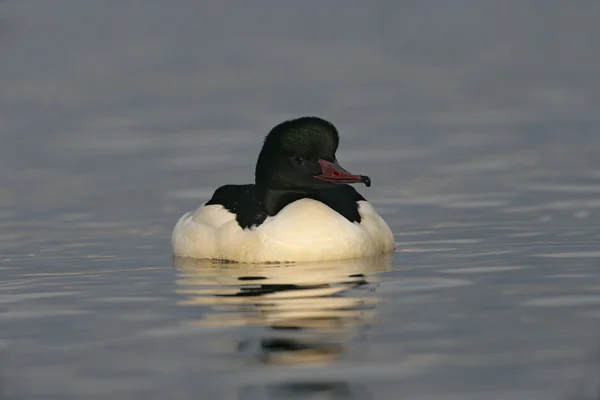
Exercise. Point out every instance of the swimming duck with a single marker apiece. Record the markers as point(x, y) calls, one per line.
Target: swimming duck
point(300, 207)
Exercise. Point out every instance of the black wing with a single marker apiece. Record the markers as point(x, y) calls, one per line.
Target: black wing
point(243, 202)
point(342, 199)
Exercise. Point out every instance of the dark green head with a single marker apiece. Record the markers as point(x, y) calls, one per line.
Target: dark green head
point(299, 154)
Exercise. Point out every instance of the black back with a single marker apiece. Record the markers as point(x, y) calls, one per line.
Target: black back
point(244, 202)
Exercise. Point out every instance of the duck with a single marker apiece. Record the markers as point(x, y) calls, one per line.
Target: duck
point(300, 208)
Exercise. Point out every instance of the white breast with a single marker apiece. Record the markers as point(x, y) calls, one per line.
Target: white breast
point(305, 230)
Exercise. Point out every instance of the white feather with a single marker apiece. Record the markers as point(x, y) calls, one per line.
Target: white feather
point(305, 230)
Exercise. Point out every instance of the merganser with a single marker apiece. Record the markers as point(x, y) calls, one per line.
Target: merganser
point(300, 208)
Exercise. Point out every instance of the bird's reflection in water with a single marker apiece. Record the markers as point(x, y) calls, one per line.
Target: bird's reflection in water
point(307, 390)
point(310, 312)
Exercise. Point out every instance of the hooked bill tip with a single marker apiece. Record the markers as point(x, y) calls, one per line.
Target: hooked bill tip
point(366, 180)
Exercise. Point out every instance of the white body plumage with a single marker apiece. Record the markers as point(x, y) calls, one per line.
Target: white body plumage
point(304, 230)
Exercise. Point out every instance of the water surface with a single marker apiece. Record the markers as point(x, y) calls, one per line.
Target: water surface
point(477, 122)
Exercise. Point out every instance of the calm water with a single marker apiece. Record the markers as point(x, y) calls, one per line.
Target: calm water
point(477, 121)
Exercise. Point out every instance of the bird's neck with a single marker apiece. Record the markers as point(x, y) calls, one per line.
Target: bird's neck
point(274, 199)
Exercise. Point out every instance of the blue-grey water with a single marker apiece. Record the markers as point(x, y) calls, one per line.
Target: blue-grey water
point(478, 122)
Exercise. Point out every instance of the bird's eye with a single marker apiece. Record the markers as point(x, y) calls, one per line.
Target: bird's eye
point(299, 160)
